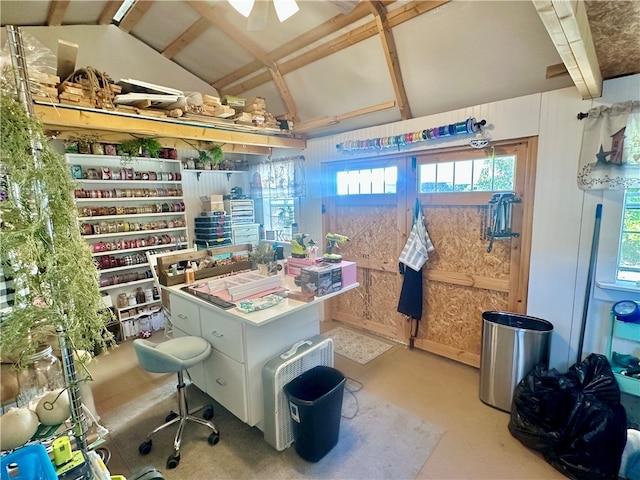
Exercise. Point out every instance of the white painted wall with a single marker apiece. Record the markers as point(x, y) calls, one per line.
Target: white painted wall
point(564, 216)
point(116, 53)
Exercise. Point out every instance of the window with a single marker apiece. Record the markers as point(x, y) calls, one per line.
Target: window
point(367, 181)
point(628, 265)
point(278, 185)
point(479, 175)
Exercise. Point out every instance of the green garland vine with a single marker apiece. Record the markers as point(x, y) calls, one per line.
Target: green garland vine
point(59, 274)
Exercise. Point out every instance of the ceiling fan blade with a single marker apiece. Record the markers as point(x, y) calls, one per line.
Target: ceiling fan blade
point(259, 16)
point(285, 8)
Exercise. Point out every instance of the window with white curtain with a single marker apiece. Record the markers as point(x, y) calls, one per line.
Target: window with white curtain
point(278, 186)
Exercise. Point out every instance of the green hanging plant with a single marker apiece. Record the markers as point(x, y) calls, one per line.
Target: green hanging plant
point(41, 247)
point(215, 156)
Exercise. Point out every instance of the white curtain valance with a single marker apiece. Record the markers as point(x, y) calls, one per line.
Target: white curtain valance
point(283, 178)
point(610, 155)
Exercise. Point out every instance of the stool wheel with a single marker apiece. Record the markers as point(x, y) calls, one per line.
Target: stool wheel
point(213, 439)
point(173, 461)
point(145, 447)
point(171, 416)
point(208, 413)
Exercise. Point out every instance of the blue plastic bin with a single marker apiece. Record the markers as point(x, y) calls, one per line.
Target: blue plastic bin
point(28, 463)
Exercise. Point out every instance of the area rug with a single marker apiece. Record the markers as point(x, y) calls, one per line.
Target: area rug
point(377, 441)
point(356, 346)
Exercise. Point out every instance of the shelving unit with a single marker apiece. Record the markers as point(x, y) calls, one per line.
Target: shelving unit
point(629, 333)
point(128, 207)
point(243, 227)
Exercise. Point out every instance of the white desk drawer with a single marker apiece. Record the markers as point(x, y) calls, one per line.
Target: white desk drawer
point(225, 335)
point(185, 315)
point(226, 383)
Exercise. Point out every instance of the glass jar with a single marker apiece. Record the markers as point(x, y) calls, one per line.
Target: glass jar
point(42, 374)
point(140, 297)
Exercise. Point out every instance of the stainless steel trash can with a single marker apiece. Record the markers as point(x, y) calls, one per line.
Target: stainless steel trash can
point(512, 344)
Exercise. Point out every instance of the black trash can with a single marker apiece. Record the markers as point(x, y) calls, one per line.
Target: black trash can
point(315, 407)
point(512, 344)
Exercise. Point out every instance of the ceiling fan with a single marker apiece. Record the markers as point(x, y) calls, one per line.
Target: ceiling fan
point(257, 12)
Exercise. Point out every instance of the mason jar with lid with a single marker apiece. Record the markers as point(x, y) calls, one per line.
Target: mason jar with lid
point(42, 374)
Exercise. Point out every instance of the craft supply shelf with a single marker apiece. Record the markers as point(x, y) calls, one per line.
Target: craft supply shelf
point(120, 229)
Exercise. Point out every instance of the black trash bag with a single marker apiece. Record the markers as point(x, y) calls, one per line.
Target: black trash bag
point(574, 420)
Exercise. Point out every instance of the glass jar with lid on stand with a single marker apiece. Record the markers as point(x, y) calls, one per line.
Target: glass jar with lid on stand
point(42, 374)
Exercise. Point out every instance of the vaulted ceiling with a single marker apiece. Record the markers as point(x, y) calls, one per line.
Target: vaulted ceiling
point(339, 65)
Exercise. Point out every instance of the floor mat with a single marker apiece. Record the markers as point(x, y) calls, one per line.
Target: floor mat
point(359, 347)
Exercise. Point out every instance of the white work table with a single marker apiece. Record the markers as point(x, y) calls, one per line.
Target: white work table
point(243, 343)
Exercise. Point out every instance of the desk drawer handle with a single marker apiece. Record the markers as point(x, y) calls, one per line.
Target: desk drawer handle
point(217, 334)
point(184, 317)
point(220, 382)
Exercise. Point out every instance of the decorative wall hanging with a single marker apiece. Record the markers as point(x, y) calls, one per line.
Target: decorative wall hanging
point(610, 156)
point(467, 127)
point(283, 177)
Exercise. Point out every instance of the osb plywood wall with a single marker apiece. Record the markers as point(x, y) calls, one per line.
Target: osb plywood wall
point(372, 231)
point(451, 324)
point(452, 319)
point(460, 245)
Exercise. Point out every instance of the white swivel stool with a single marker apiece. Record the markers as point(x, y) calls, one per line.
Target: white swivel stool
point(175, 356)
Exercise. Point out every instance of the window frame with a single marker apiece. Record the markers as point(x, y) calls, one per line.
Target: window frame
point(609, 245)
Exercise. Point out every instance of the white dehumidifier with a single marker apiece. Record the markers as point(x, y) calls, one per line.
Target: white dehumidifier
point(280, 370)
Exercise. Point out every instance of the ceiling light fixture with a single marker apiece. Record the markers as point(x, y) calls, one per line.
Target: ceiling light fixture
point(243, 7)
point(284, 8)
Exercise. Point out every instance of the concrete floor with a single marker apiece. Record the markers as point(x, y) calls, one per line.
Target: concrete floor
point(476, 443)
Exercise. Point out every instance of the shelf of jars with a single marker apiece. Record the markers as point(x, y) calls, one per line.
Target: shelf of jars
point(127, 207)
point(134, 232)
point(181, 244)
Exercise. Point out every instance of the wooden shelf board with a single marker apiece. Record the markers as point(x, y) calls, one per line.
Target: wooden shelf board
point(68, 118)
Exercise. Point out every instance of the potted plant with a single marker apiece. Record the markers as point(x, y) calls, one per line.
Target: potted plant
point(41, 247)
point(262, 255)
point(211, 159)
point(140, 147)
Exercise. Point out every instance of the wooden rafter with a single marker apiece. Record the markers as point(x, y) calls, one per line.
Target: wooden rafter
point(327, 121)
point(135, 14)
point(568, 26)
point(207, 12)
point(322, 31)
point(284, 93)
point(109, 10)
point(57, 10)
point(391, 55)
point(368, 30)
point(186, 37)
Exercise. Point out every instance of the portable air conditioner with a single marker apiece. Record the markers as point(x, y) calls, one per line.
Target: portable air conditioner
point(280, 370)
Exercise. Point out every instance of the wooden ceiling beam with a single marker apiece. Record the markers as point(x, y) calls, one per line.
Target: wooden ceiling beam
point(318, 33)
point(368, 30)
point(185, 38)
point(391, 56)
point(285, 93)
point(135, 14)
point(57, 10)
point(327, 121)
point(568, 26)
point(207, 12)
point(109, 10)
